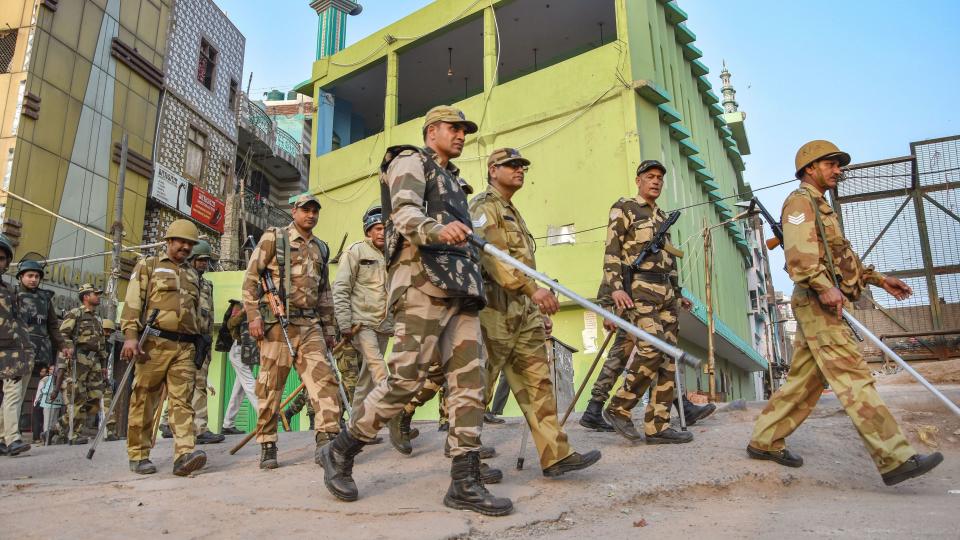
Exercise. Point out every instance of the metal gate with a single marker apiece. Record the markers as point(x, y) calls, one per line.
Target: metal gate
point(901, 215)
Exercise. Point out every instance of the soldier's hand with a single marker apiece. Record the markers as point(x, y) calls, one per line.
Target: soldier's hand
point(547, 325)
point(833, 298)
point(545, 300)
point(897, 288)
point(331, 342)
point(67, 352)
point(347, 334)
point(608, 324)
point(686, 304)
point(454, 234)
point(131, 350)
point(622, 300)
point(256, 329)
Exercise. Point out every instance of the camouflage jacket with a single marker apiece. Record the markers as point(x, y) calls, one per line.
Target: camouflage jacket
point(83, 330)
point(173, 289)
point(306, 269)
point(633, 224)
point(206, 306)
point(416, 257)
point(240, 330)
point(499, 222)
point(360, 289)
point(16, 350)
point(40, 320)
point(806, 259)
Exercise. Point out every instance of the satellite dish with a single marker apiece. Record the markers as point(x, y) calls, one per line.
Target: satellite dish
point(356, 10)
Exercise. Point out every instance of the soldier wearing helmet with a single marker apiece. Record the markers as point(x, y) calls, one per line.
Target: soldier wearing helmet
point(16, 360)
point(169, 285)
point(37, 313)
point(828, 276)
point(200, 260)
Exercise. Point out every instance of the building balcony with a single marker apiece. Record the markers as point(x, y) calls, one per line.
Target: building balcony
point(262, 213)
point(271, 147)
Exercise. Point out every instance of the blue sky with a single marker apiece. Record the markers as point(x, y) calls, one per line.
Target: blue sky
point(871, 76)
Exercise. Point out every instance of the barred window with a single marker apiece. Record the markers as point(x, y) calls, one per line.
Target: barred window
point(207, 65)
point(8, 44)
point(196, 150)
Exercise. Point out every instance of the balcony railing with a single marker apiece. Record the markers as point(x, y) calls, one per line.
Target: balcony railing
point(262, 213)
point(256, 120)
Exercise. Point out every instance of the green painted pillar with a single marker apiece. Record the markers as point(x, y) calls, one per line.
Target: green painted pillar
point(332, 24)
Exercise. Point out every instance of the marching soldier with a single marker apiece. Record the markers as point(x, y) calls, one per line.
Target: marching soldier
point(170, 285)
point(297, 263)
point(86, 368)
point(513, 321)
point(649, 299)
point(200, 260)
point(435, 290)
point(38, 315)
point(16, 360)
point(827, 276)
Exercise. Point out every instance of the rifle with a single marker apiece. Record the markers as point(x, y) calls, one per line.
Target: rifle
point(276, 305)
point(652, 248)
point(123, 382)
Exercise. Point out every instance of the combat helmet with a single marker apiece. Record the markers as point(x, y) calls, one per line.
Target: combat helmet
point(373, 216)
point(817, 150)
point(28, 266)
point(183, 229)
point(201, 251)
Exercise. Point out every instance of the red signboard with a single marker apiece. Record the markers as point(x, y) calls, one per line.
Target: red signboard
point(207, 209)
point(176, 192)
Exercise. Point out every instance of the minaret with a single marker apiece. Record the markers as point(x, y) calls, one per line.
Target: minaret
point(730, 104)
point(332, 28)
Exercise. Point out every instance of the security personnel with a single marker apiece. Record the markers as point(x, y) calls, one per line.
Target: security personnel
point(16, 360)
point(360, 304)
point(200, 260)
point(38, 315)
point(827, 276)
point(297, 263)
point(513, 321)
point(649, 302)
point(81, 376)
point(435, 290)
point(171, 286)
point(110, 337)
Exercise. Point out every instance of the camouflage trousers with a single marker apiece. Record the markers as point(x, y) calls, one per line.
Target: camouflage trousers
point(430, 330)
point(198, 401)
point(81, 395)
point(648, 364)
point(168, 364)
point(613, 366)
point(299, 402)
point(432, 386)
point(825, 352)
point(105, 407)
point(314, 370)
point(518, 349)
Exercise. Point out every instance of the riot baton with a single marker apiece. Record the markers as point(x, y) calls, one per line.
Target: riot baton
point(123, 384)
point(676, 353)
point(256, 432)
point(896, 358)
point(336, 375)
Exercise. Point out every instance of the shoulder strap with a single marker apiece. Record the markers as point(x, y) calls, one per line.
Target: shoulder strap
point(823, 239)
point(281, 254)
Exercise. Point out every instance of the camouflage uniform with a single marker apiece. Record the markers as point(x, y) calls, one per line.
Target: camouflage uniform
point(360, 301)
point(113, 344)
point(824, 349)
point(40, 320)
point(310, 308)
point(513, 325)
point(612, 367)
point(16, 363)
point(200, 387)
point(173, 289)
point(655, 292)
point(434, 292)
point(83, 387)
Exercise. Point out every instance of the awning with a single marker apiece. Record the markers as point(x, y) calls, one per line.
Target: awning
point(728, 345)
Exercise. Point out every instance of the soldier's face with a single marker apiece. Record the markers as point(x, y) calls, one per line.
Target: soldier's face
point(446, 139)
point(509, 175)
point(306, 216)
point(201, 265)
point(4, 261)
point(650, 184)
point(179, 249)
point(92, 299)
point(375, 234)
point(30, 279)
point(825, 173)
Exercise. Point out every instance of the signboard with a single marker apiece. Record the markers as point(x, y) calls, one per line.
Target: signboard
point(174, 191)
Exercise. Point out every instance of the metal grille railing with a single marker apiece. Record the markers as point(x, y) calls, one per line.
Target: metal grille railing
point(902, 216)
point(262, 213)
point(288, 144)
point(8, 45)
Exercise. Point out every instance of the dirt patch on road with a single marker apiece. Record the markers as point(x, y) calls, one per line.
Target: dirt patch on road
point(940, 372)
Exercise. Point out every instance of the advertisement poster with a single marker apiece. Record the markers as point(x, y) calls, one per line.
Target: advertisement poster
point(174, 191)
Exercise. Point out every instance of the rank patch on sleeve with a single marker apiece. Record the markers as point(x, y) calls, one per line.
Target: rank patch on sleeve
point(796, 219)
point(477, 223)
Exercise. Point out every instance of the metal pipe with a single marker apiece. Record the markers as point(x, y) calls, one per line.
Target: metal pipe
point(896, 358)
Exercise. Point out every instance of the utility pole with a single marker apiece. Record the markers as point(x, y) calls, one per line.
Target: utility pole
point(708, 286)
point(117, 230)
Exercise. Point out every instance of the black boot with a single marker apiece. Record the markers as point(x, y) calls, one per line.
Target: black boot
point(337, 460)
point(573, 462)
point(693, 413)
point(593, 417)
point(489, 475)
point(188, 463)
point(915, 466)
point(322, 440)
point(165, 431)
point(400, 433)
point(623, 426)
point(268, 455)
point(467, 492)
point(17, 447)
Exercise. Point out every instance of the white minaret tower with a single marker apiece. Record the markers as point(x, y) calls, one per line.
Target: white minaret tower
point(730, 104)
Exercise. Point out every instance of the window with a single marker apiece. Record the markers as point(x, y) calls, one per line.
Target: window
point(207, 64)
point(562, 234)
point(196, 150)
point(234, 87)
point(8, 44)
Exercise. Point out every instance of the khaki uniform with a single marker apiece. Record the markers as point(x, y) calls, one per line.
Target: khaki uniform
point(310, 309)
point(173, 289)
point(84, 384)
point(200, 387)
point(655, 292)
point(513, 325)
point(824, 348)
point(360, 299)
point(16, 363)
point(431, 323)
